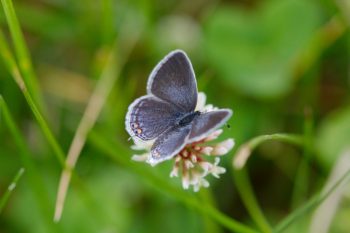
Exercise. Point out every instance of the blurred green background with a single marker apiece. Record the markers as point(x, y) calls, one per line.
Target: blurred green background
point(281, 65)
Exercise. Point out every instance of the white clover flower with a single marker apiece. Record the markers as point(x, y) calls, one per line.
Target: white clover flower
point(197, 159)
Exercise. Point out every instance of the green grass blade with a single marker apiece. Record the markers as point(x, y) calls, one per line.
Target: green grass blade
point(316, 200)
point(108, 147)
point(21, 50)
point(35, 179)
point(246, 193)
point(9, 190)
point(12, 67)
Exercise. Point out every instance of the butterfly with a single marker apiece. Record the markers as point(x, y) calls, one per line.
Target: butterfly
point(167, 113)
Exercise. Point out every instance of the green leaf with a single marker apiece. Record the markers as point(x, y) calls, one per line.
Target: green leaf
point(255, 52)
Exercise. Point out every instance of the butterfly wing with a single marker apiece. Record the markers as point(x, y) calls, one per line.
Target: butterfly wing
point(148, 117)
point(173, 80)
point(169, 144)
point(207, 123)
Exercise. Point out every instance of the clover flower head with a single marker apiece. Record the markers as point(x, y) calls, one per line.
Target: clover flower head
point(197, 159)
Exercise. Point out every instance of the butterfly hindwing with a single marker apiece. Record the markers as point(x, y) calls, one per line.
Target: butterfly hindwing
point(148, 117)
point(207, 123)
point(169, 144)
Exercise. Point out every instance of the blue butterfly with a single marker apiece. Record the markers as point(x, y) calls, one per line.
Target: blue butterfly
point(167, 113)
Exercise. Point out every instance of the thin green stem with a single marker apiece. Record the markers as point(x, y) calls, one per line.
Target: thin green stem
point(210, 226)
point(246, 193)
point(244, 151)
point(107, 147)
point(9, 190)
point(12, 67)
point(289, 138)
point(316, 200)
point(21, 50)
point(35, 179)
point(242, 181)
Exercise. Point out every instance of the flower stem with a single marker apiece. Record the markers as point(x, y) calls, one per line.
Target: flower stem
point(245, 150)
point(242, 182)
point(105, 145)
point(246, 193)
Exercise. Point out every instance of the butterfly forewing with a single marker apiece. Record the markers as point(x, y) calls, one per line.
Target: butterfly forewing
point(148, 117)
point(169, 144)
point(207, 123)
point(173, 80)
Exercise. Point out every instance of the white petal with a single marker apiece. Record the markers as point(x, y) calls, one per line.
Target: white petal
point(140, 158)
point(201, 183)
point(206, 150)
point(217, 170)
point(185, 181)
point(217, 161)
point(223, 147)
point(213, 135)
point(219, 150)
point(194, 158)
point(142, 145)
point(201, 101)
point(228, 144)
point(174, 172)
point(209, 108)
point(206, 166)
point(188, 164)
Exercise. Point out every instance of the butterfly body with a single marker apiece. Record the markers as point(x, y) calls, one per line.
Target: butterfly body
point(188, 118)
point(167, 113)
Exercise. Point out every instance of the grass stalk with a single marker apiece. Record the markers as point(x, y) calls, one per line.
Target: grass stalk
point(13, 69)
point(10, 189)
point(22, 54)
point(94, 107)
point(36, 181)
